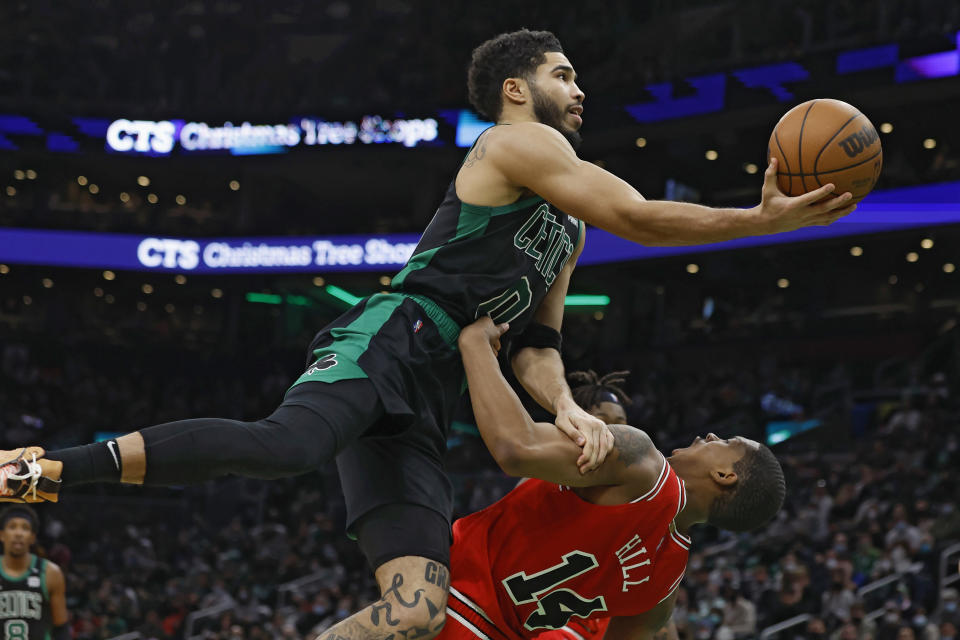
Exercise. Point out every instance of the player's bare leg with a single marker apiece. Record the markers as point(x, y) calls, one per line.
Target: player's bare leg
point(133, 458)
point(412, 604)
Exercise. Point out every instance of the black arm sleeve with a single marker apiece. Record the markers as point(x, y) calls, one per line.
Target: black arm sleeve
point(538, 336)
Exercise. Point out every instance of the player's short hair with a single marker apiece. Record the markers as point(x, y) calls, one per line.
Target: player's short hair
point(589, 389)
point(509, 55)
point(20, 511)
point(757, 496)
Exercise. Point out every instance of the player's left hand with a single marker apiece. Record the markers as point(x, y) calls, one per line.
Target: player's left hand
point(589, 432)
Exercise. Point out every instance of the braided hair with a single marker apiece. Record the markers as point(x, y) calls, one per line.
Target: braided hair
point(589, 389)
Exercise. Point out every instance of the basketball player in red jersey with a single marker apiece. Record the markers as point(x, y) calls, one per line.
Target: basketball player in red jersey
point(602, 397)
point(610, 544)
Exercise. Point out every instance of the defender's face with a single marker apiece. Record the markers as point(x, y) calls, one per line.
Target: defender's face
point(17, 536)
point(609, 412)
point(555, 82)
point(712, 452)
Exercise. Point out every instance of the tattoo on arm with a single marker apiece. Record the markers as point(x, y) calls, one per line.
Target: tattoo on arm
point(436, 573)
point(387, 608)
point(384, 619)
point(632, 444)
point(476, 154)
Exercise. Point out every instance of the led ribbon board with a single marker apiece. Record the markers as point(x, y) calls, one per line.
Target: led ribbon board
point(897, 209)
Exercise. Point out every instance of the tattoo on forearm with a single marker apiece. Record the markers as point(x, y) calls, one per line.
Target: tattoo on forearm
point(632, 444)
point(387, 608)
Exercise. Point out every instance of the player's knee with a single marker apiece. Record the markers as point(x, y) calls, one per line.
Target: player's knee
point(414, 596)
point(296, 440)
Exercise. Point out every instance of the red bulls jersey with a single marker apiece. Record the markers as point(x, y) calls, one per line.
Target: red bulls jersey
point(542, 556)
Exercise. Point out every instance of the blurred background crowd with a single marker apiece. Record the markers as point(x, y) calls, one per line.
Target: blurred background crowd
point(844, 354)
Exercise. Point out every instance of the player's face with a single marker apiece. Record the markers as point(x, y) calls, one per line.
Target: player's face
point(609, 412)
point(713, 452)
point(17, 536)
point(557, 100)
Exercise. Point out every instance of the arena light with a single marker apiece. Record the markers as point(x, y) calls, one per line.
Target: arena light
point(926, 243)
point(342, 294)
point(886, 127)
point(929, 143)
point(264, 298)
point(299, 301)
point(711, 154)
point(586, 300)
point(641, 142)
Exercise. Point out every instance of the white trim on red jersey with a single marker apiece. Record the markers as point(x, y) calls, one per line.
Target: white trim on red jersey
point(469, 626)
point(658, 486)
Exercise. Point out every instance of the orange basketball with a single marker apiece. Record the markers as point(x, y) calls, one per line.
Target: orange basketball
point(823, 141)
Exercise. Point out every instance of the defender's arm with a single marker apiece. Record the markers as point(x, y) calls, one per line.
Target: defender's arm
point(523, 447)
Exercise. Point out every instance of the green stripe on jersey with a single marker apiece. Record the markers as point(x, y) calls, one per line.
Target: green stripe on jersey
point(472, 221)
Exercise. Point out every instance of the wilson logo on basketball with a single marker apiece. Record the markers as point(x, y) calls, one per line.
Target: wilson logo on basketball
point(857, 142)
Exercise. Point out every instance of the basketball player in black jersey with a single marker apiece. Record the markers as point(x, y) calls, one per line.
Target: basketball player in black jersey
point(33, 601)
point(382, 381)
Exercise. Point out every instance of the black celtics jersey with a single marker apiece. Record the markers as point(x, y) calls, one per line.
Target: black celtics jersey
point(25, 604)
point(498, 261)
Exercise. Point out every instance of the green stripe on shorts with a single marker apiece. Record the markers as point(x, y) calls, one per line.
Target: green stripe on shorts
point(446, 327)
point(338, 360)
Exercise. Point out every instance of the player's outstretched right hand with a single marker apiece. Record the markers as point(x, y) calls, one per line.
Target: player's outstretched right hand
point(778, 212)
point(483, 328)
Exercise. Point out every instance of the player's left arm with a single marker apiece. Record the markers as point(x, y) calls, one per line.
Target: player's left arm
point(649, 625)
point(57, 590)
point(541, 372)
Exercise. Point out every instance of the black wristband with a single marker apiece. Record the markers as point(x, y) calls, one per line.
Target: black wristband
point(538, 336)
point(61, 632)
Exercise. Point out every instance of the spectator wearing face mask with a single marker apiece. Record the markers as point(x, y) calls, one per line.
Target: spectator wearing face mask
point(948, 608)
point(923, 627)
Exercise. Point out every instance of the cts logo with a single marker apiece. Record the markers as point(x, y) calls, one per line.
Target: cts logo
point(141, 136)
point(168, 253)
